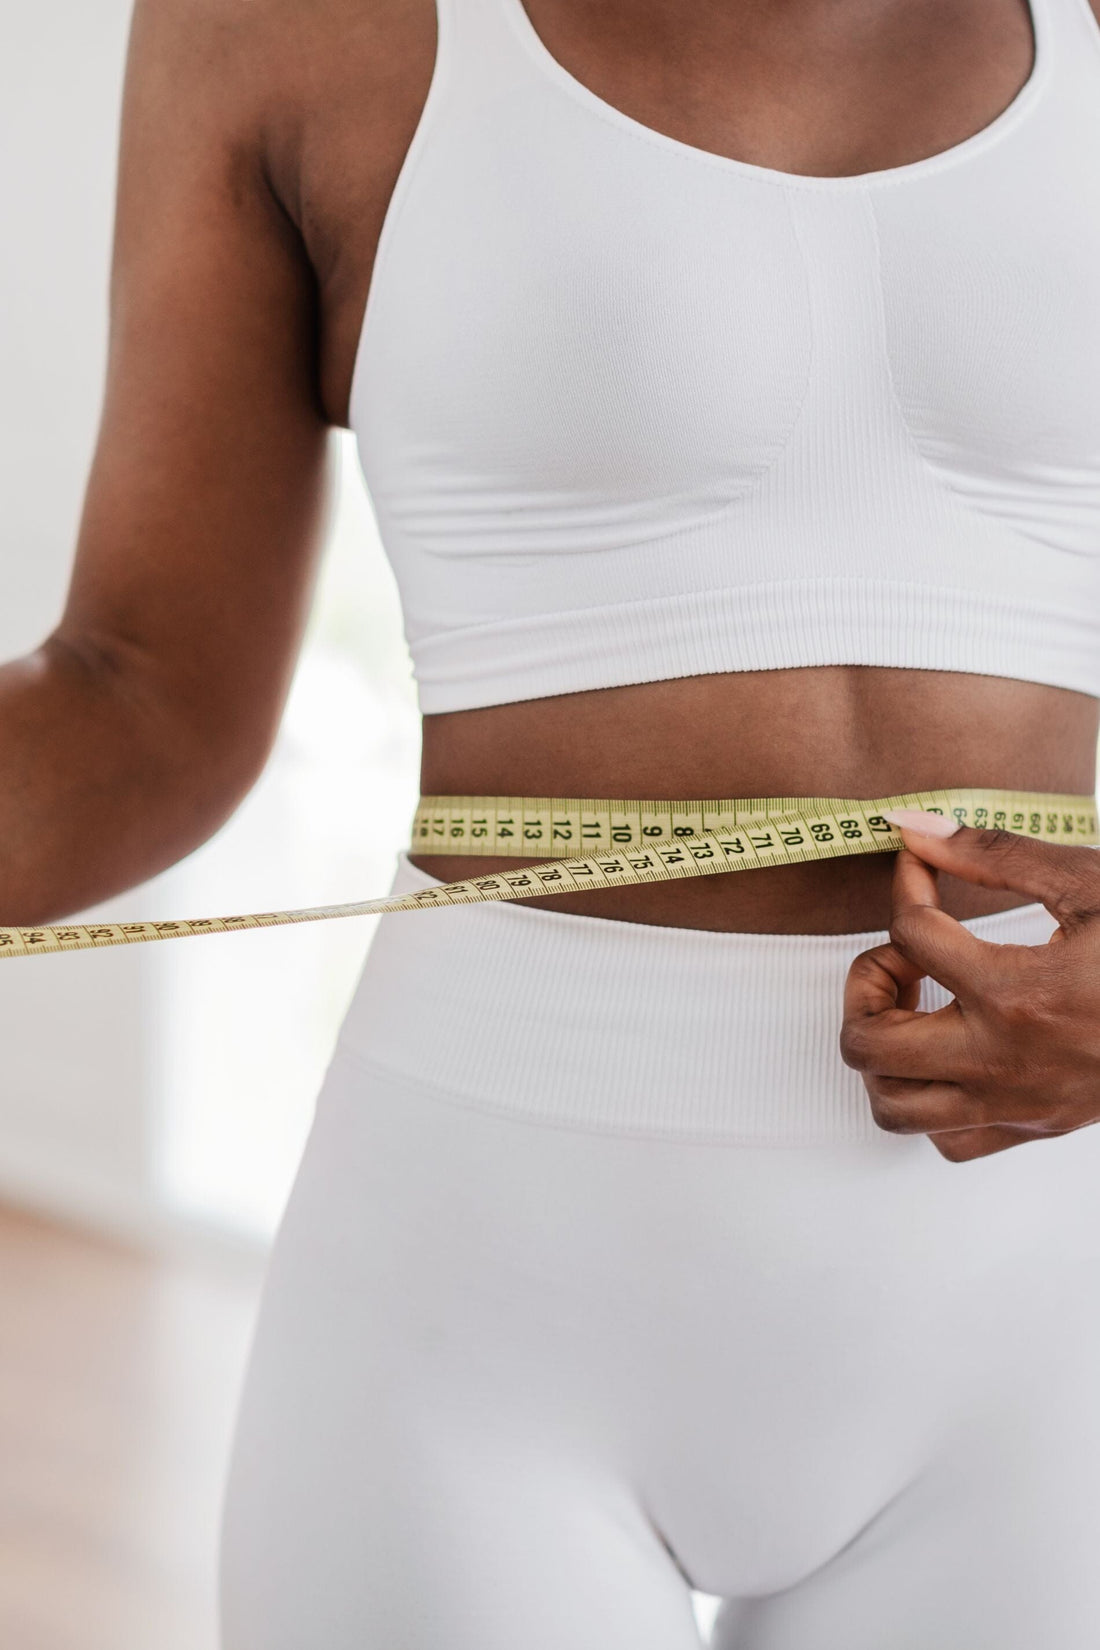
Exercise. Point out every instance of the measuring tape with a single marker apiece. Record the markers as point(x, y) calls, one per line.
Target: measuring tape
point(589, 844)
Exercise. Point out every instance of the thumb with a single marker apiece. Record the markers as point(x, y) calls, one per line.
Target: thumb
point(1065, 880)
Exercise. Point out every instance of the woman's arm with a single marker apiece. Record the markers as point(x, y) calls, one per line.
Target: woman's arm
point(138, 725)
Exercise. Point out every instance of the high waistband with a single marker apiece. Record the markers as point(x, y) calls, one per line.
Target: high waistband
point(624, 1027)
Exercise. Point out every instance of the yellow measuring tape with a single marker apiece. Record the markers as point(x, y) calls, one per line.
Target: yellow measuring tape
point(588, 844)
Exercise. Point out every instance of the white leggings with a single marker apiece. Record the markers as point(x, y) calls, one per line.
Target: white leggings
point(598, 1284)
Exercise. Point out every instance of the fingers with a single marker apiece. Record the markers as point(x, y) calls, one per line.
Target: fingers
point(1065, 880)
point(902, 1106)
point(925, 941)
point(914, 882)
point(960, 1123)
point(922, 1048)
point(881, 1034)
point(927, 937)
point(1008, 1060)
point(876, 981)
point(964, 1145)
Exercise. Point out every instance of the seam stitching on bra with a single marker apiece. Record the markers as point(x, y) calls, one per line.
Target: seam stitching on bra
point(958, 500)
point(758, 481)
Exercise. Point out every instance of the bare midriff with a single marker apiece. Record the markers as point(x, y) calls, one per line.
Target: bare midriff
point(849, 731)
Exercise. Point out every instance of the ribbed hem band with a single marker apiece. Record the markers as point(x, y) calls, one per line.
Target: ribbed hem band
point(788, 623)
point(624, 1027)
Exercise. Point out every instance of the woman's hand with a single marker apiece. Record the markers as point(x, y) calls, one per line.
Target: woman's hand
point(1016, 1056)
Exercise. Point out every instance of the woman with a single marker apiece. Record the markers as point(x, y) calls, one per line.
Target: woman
point(727, 394)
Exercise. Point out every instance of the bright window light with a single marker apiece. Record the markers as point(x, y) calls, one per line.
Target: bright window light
point(246, 1022)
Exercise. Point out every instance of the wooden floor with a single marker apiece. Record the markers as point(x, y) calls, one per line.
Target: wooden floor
point(118, 1383)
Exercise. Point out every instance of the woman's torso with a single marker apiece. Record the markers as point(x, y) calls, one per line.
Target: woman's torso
point(816, 90)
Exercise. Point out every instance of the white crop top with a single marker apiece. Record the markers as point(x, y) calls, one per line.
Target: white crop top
point(628, 410)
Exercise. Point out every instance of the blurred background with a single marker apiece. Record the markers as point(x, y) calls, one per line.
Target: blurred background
point(154, 1102)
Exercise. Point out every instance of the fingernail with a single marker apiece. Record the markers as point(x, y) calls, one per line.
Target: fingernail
point(915, 819)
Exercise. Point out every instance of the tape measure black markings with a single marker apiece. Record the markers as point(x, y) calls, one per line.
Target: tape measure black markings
point(587, 844)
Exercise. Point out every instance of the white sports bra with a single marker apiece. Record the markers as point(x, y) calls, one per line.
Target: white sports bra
point(629, 410)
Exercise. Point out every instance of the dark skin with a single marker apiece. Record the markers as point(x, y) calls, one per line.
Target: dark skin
point(852, 732)
point(1016, 1056)
point(261, 143)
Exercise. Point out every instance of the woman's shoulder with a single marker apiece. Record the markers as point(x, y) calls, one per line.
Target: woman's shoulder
point(297, 56)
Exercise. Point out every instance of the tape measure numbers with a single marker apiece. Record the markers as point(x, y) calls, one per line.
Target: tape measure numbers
point(588, 844)
point(803, 827)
